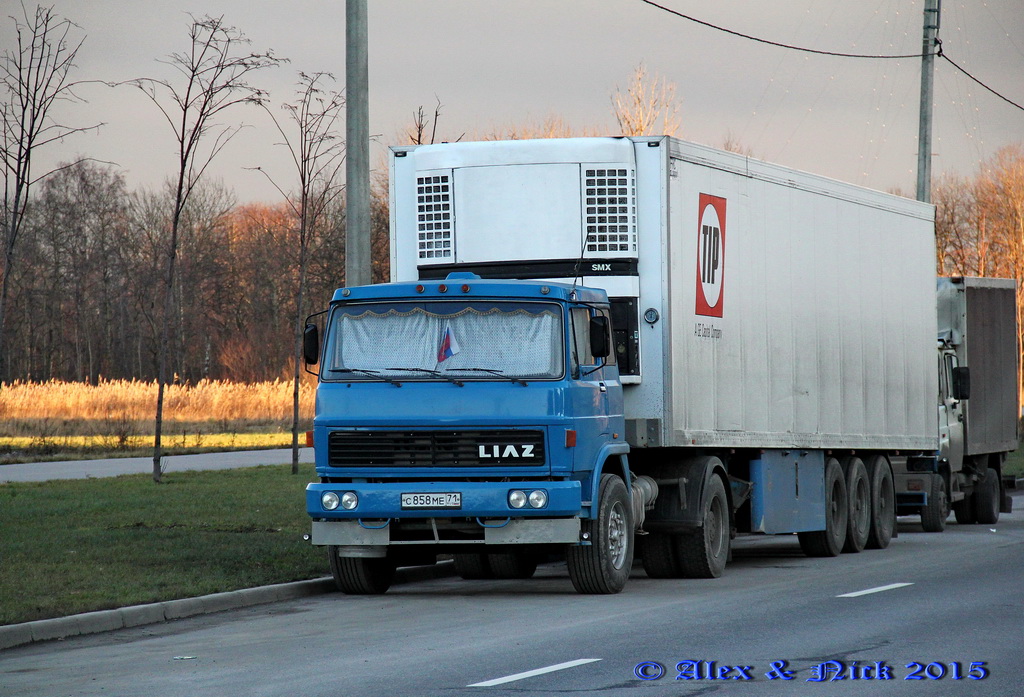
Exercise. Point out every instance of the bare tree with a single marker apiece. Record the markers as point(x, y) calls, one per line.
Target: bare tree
point(318, 154)
point(552, 126)
point(644, 103)
point(732, 143)
point(956, 239)
point(34, 76)
point(213, 77)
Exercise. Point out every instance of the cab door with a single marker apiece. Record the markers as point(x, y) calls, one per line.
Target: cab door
point(951, 414)
point(597, 395)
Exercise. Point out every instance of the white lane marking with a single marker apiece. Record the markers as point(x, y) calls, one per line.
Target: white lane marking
point(531, 673)
point(890, 587)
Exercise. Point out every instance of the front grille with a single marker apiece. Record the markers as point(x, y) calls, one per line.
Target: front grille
point(435, 448)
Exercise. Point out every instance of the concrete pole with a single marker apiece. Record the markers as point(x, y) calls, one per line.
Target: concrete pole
point(357, 146)
point(924, 137)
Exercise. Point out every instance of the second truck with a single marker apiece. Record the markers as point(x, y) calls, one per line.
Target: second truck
point(596, 345)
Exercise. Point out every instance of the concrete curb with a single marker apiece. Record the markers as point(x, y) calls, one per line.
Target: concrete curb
point(138, 615)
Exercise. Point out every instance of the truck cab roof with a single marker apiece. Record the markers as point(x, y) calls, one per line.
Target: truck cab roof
point(464, 285)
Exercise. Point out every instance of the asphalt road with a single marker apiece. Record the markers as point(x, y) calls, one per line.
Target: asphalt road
point(775, 612)
point(84, 469)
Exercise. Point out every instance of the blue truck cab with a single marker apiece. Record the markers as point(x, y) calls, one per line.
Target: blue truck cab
point(478, 418)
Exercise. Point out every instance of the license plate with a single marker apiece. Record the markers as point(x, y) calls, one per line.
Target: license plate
point(448, 499)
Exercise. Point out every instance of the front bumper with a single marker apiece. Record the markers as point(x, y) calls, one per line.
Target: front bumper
point(509, 531)
point(380, 501)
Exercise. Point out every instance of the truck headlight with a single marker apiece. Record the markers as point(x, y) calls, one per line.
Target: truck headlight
point(516, 499)
point(329, 500)
point(538, 498)
point(349, 500)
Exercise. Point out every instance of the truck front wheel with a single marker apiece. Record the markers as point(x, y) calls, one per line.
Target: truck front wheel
point(603, 566)
point(361, 575)
point(936, 510)
point(829, 542)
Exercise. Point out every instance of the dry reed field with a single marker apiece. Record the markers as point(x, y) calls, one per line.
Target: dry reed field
point(117, 413)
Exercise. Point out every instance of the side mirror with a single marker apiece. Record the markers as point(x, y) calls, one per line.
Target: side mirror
point(961, 383)
point(311, 344)
point(600, 346)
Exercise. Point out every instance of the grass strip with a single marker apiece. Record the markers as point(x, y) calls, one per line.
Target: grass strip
point(18, 449)
point(1015, 463)
point(81, 545)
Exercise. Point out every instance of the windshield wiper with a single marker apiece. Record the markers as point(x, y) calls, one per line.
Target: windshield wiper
point(499, 373)
point(371, 373)
point(435, 373)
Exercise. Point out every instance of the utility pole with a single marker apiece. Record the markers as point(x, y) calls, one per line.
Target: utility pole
point(924, 136)
point(357, 146)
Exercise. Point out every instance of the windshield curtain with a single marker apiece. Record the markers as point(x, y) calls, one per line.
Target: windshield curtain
point(468, 340)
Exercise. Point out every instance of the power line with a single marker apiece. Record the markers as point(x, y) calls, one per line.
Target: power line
point(962, 70)
point(759, 40)
point(775, 43)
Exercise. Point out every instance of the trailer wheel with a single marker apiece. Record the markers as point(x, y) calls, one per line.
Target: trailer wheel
point(936, 510)
point(702, 553)
point(512, 565)
point(603, 566)
point(473, 567)
point(829, 542)
point(986, 498)
point(658, 556)
point(361, 575)
point(883, 503)
point(858, 487)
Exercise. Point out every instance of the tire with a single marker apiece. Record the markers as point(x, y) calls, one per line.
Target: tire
point(964, 511)
point(858, 489)
point(603, 566)
point(883, 504)
point(659, 557)
point(936, 510)
point(512, 565)
point(361, 575)
point(473, 567)
point(987, 498)
point(829, 542)
point(702, 553)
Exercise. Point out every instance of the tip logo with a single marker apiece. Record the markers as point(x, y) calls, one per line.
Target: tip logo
point(710, 255)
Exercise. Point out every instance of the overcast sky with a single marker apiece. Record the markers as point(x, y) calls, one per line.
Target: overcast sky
point(500, 63)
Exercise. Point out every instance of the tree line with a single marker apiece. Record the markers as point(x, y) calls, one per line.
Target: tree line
point(86, 298)
point(102, 281)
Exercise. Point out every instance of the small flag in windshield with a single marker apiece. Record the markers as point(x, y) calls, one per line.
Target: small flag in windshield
point(449, 346)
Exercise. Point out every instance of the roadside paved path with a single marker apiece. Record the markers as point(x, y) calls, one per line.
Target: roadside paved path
point(85, 469)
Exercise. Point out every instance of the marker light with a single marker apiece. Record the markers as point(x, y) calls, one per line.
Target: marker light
point(516, 499)
point(419, 288)
point(442, 288)
point(465, 287)
point(349, 500)
point(329, 500)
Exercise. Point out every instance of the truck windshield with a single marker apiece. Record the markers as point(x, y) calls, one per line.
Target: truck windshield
point(444, 340)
